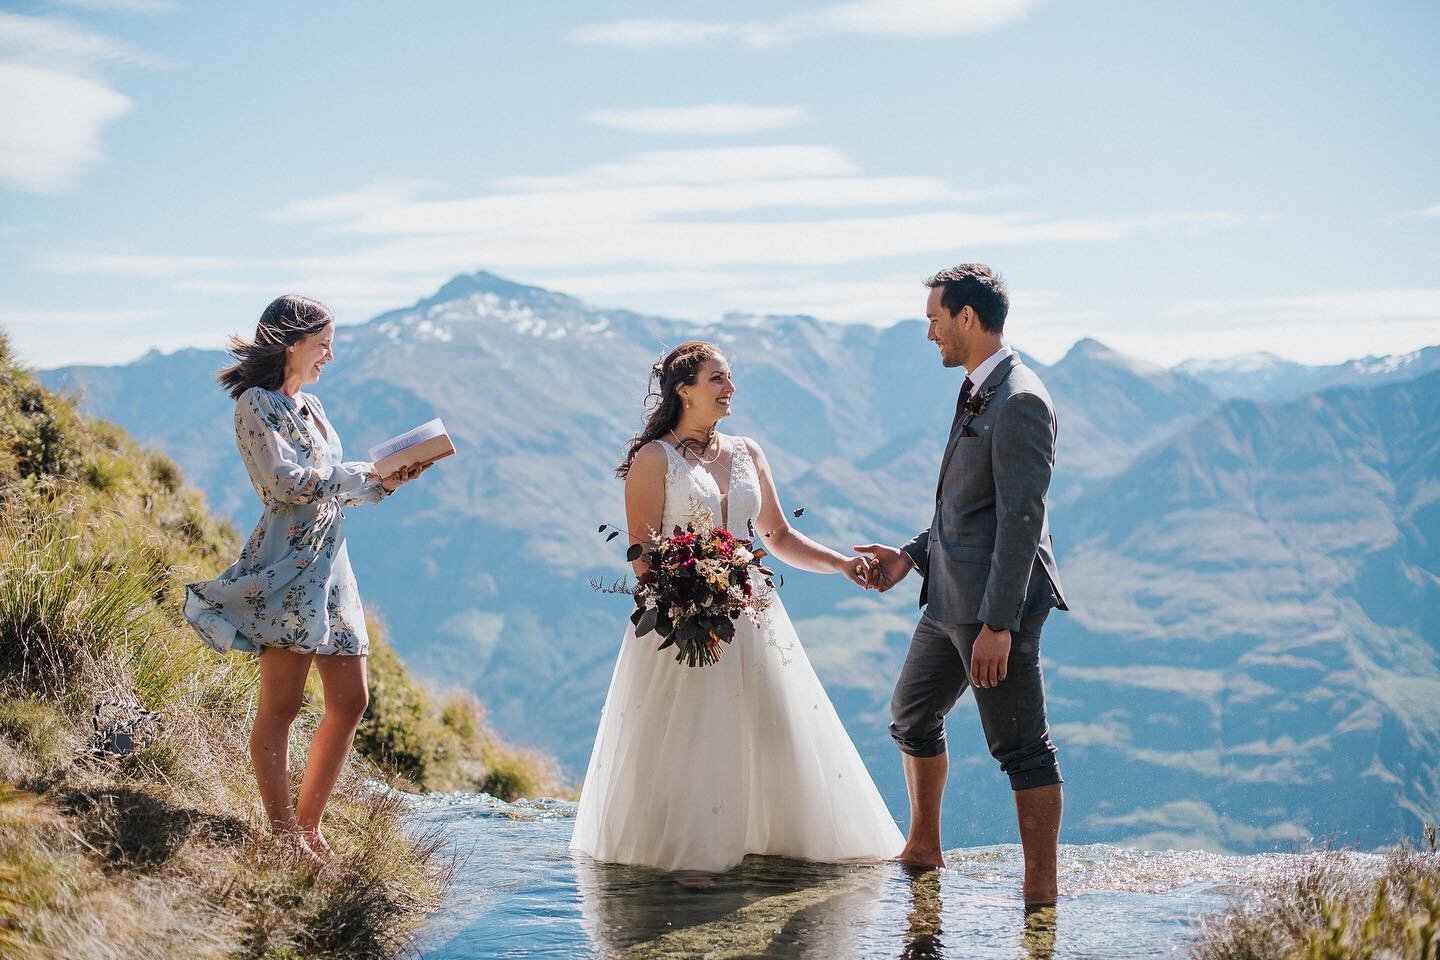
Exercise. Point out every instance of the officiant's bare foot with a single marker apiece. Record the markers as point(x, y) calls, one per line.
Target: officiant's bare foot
point(929, 859)
point(319, 844)
point(298, 848)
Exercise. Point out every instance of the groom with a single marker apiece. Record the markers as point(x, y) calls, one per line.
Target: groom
point(989, 580)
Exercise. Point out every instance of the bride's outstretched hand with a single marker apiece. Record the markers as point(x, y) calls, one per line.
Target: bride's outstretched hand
point(891, 564)
point(863, 572)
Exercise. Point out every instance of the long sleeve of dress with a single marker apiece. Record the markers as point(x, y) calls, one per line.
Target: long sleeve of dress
point(267, 437)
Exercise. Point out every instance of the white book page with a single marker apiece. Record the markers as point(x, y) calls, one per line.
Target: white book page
point(434, 428)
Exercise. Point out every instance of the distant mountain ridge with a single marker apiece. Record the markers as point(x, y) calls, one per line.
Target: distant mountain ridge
point(1264, 376)
point(1194, 587)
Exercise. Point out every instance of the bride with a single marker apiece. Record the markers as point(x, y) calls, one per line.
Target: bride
point(695, 767)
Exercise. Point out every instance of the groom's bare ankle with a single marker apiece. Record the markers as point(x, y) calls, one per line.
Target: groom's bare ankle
point(1040, 897)
point(921, 856)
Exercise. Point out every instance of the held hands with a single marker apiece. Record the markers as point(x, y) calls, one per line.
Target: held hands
point(989, 656)
point(864, 572)
point(890, 564)
point(403, 475)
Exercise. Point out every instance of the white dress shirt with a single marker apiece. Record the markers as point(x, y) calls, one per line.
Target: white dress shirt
point(987, 367)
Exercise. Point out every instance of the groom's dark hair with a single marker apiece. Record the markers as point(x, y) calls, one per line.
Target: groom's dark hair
point(976, 286)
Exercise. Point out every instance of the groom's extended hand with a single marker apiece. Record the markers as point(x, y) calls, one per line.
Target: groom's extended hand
point(893, 563)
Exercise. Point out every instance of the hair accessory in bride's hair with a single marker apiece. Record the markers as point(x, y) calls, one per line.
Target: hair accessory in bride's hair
point(655, 386)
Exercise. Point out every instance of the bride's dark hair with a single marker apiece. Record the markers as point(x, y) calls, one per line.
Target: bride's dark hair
point(261, 362)
point(679, 368)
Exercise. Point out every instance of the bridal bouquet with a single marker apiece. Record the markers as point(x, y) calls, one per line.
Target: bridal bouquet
point(699, 582)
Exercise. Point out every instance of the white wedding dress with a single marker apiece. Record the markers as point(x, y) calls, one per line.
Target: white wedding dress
point(695, 767)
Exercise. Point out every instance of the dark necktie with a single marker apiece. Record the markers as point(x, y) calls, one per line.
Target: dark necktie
point(966, 389)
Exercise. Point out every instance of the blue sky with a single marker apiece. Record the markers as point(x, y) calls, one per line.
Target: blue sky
point(1177, 180)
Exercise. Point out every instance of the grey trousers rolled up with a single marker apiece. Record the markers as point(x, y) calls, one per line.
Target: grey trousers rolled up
point(937, 673)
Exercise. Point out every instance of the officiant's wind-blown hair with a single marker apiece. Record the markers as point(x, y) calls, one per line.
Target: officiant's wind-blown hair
point(679, 368)
point(261, 362)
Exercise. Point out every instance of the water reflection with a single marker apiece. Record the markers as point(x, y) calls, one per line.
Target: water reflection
point(768, 906)
point(518, 892)
point(922, 937)
point(1039, 938)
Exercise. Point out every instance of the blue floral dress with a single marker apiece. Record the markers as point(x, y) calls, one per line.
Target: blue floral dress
point(292, 586)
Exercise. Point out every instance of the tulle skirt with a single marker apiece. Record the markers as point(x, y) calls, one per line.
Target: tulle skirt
point(695, 767)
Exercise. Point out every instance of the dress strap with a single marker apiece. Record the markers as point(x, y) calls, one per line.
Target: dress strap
point(676, 467)
point(740, 454)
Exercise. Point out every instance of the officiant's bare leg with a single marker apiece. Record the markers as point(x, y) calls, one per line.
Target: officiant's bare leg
point(925, 782)
point(282, 689)
point(1038, 810)
point(346, 697)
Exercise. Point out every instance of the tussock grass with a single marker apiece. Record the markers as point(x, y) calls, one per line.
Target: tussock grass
point(164, 853)
point(1335, 908)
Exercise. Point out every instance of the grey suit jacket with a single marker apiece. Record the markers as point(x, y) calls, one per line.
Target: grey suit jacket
point(988, 556)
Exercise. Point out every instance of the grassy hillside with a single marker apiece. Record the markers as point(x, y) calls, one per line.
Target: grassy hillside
point(163, 852)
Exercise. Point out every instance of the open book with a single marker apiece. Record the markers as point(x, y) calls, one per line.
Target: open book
point(425, 444)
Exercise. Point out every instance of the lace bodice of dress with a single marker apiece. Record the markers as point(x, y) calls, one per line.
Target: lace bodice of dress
point(693, 497)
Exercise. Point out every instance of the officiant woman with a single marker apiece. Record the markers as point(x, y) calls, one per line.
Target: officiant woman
point(291, 595)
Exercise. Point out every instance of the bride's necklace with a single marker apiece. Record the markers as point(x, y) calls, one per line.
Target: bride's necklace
point(684, 445)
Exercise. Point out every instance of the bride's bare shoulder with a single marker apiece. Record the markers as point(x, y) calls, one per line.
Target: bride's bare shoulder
point(650, 458)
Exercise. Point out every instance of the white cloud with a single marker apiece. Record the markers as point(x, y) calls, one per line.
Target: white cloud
point(340, 206)
point(1348, 307)
point(620, 289)
point(121, 6)
point(1317, 328)
point(925, 18)
point(49, 337)
point(135, 264)
point(650, 33)
point(1301, 341)
point(895, 18)
point(712, 118)
point(55, 102)
point(685, 232)
point(50, 126)
point(1431, 211)
point(67, 46)
point(716, 165)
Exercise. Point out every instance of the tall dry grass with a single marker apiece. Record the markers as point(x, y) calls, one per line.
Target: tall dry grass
point(1335, 906)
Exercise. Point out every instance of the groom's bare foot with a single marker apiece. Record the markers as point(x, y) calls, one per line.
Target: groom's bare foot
point(930, 858)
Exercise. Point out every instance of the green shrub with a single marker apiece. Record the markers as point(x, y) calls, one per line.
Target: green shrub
point(441, 746)
point(34, 726)
point(65, 602)
point(164, 473)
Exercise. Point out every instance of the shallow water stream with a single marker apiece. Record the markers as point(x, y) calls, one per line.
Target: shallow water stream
point(518, 892)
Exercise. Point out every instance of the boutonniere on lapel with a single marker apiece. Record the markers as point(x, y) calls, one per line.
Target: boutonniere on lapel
point(976, 405)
